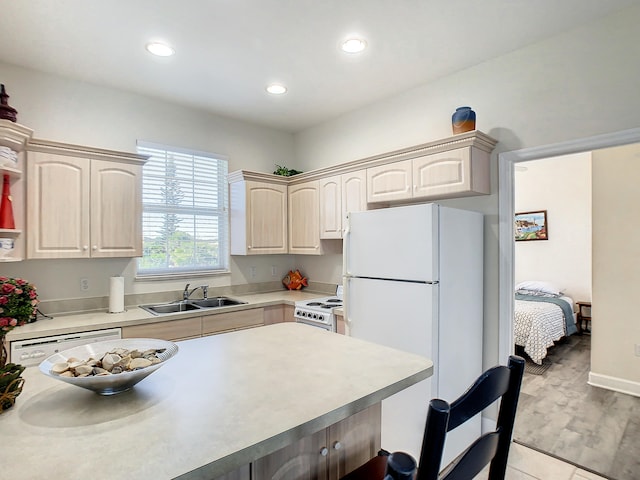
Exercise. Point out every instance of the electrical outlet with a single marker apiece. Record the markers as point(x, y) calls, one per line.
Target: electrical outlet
point(274, 271)
point(84, 284)
point(252, 272)
point(637, 349)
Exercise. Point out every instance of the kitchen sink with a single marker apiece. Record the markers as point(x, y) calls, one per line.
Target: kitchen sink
point(216, 302)
point(189, 305)
point(170, 308)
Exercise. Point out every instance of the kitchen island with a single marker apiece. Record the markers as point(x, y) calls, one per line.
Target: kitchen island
point(223, 403)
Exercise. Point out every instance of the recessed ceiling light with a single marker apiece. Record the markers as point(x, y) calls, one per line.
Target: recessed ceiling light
point(353, 45)
point(276, 89)
point(160, 49)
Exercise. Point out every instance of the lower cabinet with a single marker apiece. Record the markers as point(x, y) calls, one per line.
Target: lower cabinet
point(354, 441)
point(278, 314)
point(273, 314)
point(224, 322)
point(328, 454)
point(195, 327)
point(243, 473)
point(341, 326)
point(289, 311)
point(303, 459)
point(172, 330)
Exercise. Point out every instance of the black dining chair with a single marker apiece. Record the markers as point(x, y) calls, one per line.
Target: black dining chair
point(500, 382)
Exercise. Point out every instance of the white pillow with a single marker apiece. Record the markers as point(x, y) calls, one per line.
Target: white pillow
point(538, 286)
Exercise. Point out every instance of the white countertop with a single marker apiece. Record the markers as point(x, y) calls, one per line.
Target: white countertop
point(82, 322)
point(222, 402)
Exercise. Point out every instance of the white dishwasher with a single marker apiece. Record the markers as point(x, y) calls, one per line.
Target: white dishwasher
point(31, 352)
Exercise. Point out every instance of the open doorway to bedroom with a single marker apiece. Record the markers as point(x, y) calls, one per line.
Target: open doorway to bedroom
point(552, 273)
point(552, 253)
point(562, 412)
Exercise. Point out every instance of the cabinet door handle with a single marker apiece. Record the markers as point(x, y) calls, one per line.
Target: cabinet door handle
point(85, 247)
point(95, 247)
point(337, 446)
point(324, 452)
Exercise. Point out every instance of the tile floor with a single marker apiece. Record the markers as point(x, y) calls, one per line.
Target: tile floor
point(528, 464)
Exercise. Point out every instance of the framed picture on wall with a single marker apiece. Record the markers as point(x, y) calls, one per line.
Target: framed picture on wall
point(531, 226)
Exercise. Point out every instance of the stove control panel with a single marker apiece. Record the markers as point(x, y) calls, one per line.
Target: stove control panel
point(321, 317)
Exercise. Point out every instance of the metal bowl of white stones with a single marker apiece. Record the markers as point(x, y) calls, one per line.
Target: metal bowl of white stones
point(109, 367)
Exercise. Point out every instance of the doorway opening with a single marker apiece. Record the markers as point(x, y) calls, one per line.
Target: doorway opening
point(506, 211)
point(573, 438)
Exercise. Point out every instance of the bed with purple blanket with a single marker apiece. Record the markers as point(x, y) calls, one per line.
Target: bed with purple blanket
point(541, 317)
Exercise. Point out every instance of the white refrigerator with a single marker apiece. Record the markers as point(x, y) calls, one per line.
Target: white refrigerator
point(413, 280)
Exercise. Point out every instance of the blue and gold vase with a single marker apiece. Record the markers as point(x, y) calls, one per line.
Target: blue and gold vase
point(463, 120)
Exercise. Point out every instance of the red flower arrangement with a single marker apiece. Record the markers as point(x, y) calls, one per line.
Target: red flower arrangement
point(18, 303)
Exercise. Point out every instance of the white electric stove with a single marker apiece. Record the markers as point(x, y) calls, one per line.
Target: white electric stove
point(318, 312)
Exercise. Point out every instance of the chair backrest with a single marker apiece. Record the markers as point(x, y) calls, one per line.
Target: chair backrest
point(501, 382)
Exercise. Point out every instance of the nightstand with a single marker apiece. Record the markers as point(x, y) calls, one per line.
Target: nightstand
point(584, 313)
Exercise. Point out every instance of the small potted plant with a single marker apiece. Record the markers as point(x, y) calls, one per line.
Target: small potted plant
point(285, 172)
point(18, 305)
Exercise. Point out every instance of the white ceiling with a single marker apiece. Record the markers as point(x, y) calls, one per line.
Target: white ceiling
point(227, 51)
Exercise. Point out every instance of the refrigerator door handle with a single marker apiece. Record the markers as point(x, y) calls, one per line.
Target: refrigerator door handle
point(345, 247)
point(345, 308)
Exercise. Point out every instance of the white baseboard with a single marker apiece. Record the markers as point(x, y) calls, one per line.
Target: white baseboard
point(614, 383)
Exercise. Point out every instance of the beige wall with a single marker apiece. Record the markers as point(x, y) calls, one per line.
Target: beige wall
point(616, 268)
point(562, 187)
point(575, 85)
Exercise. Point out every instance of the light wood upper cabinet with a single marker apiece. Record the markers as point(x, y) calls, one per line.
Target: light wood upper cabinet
point(319, 200)
point(116, 209)
point(330, 207)
point(354, 194)
point(304, 218)
point(258, 217)
point(457, 172)
point(58, 203)
point(82, 202)
point(389, 182)
point(339, 195)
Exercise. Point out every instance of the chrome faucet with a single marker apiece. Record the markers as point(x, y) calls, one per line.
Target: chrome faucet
point(187, 293)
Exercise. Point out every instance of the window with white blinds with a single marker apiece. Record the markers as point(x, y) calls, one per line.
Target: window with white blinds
point(184, 212)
